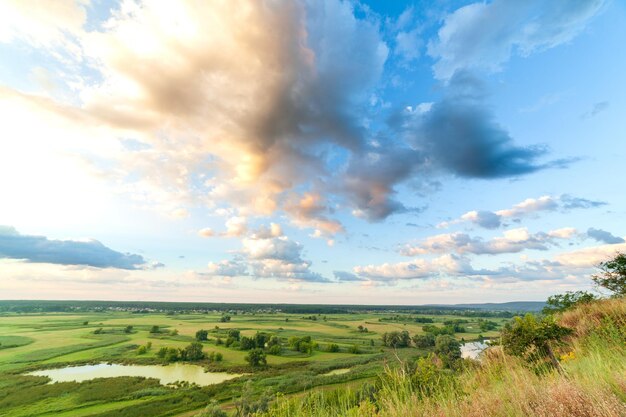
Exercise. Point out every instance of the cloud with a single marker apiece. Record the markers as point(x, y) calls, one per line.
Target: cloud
point(267, 253)
point(512, 241)
point(446, 265)
point(206, 232)
point(485, 35)
point(603, 236)
point(344, 276)
point(304, 71)
point(596, 109)
point(547, 203)
point(459, 136)
point(42, 24)
point(266, 112)
point(236, 226)
point(228, 268)
point(486, 219)
point(40, 249)
point(409, 45)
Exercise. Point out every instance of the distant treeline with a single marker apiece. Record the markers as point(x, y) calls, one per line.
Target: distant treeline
point(42, 306)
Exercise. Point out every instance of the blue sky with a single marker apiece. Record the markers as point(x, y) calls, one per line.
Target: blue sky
point(310, 152)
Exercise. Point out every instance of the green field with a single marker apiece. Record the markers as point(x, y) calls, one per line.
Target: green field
point(32, 341)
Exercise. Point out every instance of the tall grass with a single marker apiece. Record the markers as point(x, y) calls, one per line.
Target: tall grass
point(593, 385)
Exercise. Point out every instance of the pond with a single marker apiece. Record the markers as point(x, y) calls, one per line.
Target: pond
point(337, 372)
point(473, 349)
point(165, 374)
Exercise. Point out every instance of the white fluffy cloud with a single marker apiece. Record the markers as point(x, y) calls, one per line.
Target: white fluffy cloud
point(512, 241)
point(446, 265)
point(267, 253)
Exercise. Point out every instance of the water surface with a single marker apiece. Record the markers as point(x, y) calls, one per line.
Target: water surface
point(165, 374)
point(473, 349)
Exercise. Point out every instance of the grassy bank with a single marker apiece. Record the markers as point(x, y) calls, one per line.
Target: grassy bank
point(593, 383)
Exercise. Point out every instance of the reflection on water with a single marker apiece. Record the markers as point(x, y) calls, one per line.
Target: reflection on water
point(337, 372)
point(165, 374)
point(473, 349)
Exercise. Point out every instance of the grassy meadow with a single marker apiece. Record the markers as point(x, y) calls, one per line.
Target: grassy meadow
point(39, 340)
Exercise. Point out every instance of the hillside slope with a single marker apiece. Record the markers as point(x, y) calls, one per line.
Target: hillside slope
point(593, 384)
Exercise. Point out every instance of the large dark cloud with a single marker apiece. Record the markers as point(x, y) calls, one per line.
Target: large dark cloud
point(459, 135)
point(40, 249)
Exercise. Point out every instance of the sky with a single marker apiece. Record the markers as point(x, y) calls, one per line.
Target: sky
point(322, 151)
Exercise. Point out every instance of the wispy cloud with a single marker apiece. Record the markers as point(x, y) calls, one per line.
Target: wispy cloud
point(531, 206)
point(485, 35)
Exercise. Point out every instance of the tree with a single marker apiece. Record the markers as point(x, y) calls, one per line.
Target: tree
point(274, 350)
point(142, 350)
point(171, 354)
point(333, 347)
point(529, 336)
point(192, 352)
point(155, 329)
point(448, 349)
point(562, 302)
point(301, 344)
point(613, 275)
point(128, 329)
point(260, 339)
point(234, 333)
point(274, 341)
point(162, 352)
point(486, 325)
point(396, 339)
point(256, 357)
point(246, 343)
point(202, 335)
point(424, 341)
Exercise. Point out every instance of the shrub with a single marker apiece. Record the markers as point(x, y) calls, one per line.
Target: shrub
point(162, 352)
point(333, 347)
point(256, 357)
point(424, 341)
point(396, 339)
point(274, 350)
point(448, 349)
point(212, 410)
point(246, 343)
point(354, 349)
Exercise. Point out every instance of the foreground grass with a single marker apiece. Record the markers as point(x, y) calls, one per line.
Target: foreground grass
point(594, 383)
